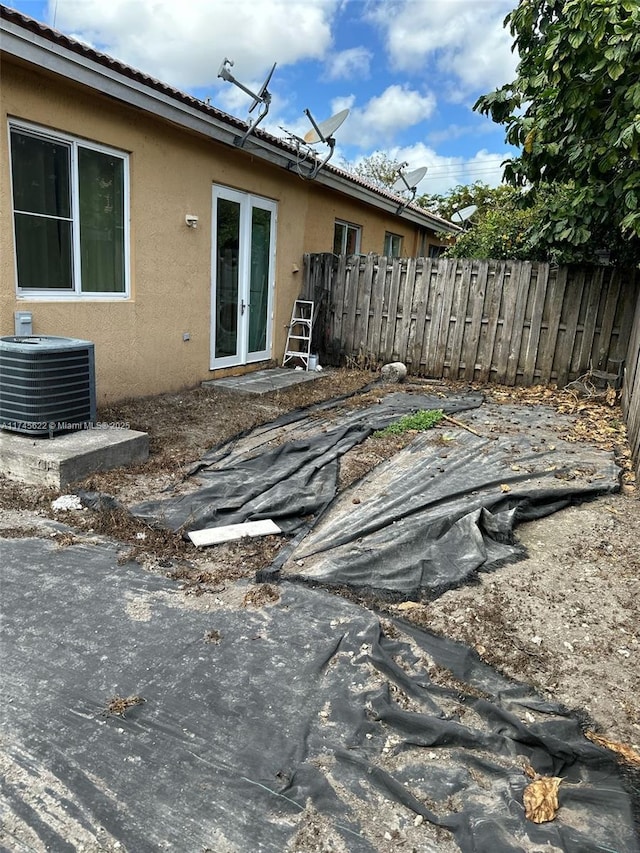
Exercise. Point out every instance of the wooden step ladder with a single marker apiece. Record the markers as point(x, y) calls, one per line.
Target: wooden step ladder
point(298, 346)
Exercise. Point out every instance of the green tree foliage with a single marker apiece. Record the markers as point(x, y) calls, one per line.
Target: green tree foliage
point(573, 111)
point(500, 228)
point(457, 198)
point(379, 169)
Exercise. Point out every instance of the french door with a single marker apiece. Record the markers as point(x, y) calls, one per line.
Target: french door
point(242, 277)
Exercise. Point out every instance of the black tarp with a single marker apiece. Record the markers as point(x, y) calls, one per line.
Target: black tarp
point(422, 522)
point(306, 700)
point(286, 470)
point(440, 510)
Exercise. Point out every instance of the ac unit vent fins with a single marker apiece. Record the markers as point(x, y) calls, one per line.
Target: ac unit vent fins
point(47, 384)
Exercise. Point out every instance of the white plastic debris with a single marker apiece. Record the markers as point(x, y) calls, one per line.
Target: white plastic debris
point(66, 502)
point(214, 535)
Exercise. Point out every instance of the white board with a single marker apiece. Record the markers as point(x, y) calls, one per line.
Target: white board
point(215, 535)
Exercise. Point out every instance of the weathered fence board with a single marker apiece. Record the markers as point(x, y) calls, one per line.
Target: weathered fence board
point(631, 393)
point(514, 322)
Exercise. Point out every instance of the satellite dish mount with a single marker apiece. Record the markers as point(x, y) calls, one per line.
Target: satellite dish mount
point(262, 96)
point(308, 163)
point(407, 183)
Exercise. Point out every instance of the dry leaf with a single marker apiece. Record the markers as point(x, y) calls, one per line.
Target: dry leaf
point(409, 605)
point(625, 752)
point(505, 487)
point(541, 799)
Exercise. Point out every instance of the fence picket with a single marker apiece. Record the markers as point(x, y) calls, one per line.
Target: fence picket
point(556, 293)
point(608, 319)
point(535, 324)
point(564, 355)
point(460, 316)
point(492, 302)
point(407, 310)
point(422, 283)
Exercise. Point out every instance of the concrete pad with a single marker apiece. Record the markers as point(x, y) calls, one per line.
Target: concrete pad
point(264, 381)
point(70, 457)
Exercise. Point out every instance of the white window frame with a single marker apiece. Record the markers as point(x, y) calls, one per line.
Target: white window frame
point(345, 237)
point(389, 240)
point(74, 142)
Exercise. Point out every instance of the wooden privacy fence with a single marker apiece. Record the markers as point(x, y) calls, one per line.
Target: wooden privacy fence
point(512, 322)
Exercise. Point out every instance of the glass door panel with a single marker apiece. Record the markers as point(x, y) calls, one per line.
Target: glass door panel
point(243, 277)
point(259, 283)
point(227, 278)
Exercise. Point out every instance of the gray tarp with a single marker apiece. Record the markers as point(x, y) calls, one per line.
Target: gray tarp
point(308, 700)
point(250, 479)
point(424, 521)
point(441, 510)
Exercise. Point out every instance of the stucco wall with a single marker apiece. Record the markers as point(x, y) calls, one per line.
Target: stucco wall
point(139, 341)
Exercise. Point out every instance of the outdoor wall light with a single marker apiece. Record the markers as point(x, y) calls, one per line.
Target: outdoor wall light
point(191, 220)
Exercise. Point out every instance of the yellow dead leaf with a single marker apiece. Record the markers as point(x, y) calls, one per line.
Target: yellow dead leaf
point(541, 799)
point(409, 605)
point(505, 487)
point(625, 752)
point(529, 140)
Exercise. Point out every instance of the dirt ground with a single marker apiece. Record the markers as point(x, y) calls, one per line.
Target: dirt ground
point(566, 620)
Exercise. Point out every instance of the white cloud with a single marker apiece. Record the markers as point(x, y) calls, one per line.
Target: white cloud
point(348, 63)
point(443, 173)
point(384, 116)
point(465, 37)
point(184, 44)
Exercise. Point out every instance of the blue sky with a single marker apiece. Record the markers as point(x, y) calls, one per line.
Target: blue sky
point(408, 70)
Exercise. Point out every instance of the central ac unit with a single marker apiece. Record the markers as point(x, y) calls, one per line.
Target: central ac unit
point(47, 384)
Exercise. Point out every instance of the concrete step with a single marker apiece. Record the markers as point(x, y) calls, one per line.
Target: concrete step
point(69, 457)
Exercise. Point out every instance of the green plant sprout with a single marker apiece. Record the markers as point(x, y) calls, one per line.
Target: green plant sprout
point(419, 421)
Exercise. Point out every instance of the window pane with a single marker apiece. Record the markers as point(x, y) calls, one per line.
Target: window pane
point(259, 285)
point(227, 247)
point(101, 192)
point(43, 249)
point(352, 241)
point(40, 175)
point(392, 245)
point(339, 238)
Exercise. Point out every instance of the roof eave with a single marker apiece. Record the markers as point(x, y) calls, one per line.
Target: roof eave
point(38, 50)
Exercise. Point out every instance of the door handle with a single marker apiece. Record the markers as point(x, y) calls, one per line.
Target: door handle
point(244, 305)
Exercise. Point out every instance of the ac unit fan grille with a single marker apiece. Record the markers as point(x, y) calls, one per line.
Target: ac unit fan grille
point(47, 384)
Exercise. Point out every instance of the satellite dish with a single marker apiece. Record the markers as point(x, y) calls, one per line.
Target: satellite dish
point(263, 96)
point(325, 130)
point(406, 182)
point(320, 132)
point(409, 181)
point(461, 216)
